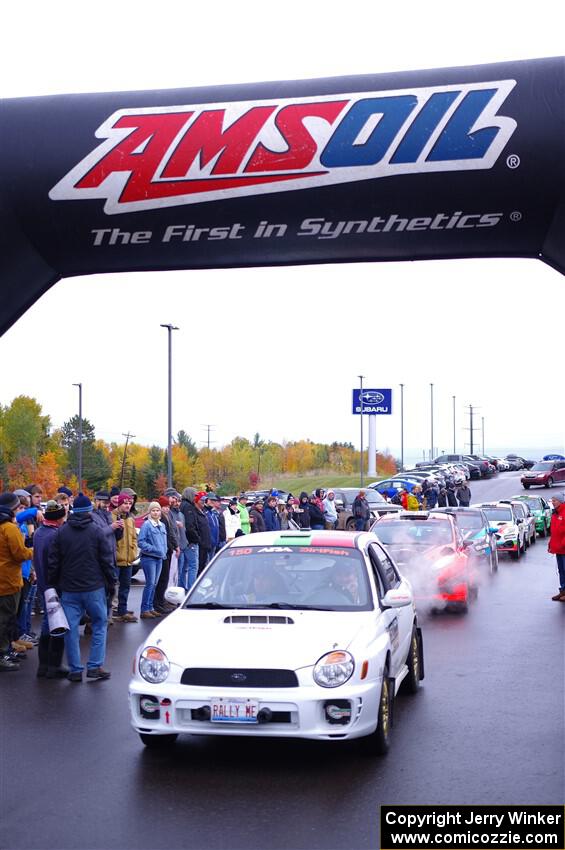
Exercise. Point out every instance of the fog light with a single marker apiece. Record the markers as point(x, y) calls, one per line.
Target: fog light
point(338, 711)
point(202, 713)
point(149, 707)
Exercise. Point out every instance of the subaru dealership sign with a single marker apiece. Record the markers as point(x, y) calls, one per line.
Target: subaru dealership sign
point(372, 401)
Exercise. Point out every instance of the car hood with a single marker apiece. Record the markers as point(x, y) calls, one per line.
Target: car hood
point(281, 639)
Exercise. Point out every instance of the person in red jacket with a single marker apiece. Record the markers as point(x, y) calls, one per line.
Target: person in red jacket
point(557, 542)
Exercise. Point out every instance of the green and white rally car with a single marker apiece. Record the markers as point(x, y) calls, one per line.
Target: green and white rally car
point(541, 510)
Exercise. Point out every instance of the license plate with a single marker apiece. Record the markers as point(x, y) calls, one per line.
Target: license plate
point(234, 711)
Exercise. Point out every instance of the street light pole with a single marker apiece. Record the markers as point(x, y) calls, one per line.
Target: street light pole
point(483, 433)
point(401, 427)
point(170, 329)
point(79, 435)
point(361, 455)
point(432, 419)
point(454, 449)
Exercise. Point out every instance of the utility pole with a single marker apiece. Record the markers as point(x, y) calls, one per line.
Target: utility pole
point(432, 420)
point(483, 433)
point(401, 427)
point(127, 436)
point(209, 428)
point(79, 435)
point(170, 329)
point(361, 455)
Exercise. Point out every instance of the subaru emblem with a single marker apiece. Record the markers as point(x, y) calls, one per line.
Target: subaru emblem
point(238, 677)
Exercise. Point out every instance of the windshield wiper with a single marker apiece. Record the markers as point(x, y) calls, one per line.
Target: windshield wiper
point(208, 605)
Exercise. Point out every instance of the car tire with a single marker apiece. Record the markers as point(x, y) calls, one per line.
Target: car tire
point(157, 742)
point(414, 662)
point(549, 483)
point(543, 532)
point(526, 544)
point(516, 555)
point(494, 560)
point(526, 486)
point(533, 538)
point(378, 743)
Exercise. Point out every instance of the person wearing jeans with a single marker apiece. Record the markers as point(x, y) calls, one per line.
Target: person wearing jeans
point(80, 568)
point(152, 544)
point(93, 602)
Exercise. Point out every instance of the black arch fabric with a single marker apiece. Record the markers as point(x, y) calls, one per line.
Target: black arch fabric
point(461, 162)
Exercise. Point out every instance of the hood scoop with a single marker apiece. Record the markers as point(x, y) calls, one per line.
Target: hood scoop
point(249, 619)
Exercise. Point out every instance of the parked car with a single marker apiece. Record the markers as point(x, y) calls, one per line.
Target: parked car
point(344, 498)
point(474, 467)
point(544, 473)
point(510, 534)
point(475, 526)
point(430, 550)
point(541, 509)
point(392, 486)
point(525, 516)
point(285, 634)
point(526, 463)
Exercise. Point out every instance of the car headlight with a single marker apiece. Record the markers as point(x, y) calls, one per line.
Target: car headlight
point(154, 665)
point(334, 669)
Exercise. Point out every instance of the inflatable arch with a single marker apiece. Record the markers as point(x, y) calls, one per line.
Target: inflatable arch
point(461, 162)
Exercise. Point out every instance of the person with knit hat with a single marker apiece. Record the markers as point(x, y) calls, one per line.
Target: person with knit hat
point(126, 554)
point(13, 553)
point(556, 544)
point(205, 546)
point(50, 648)
point(161, 606)
point(80, 568)
point(114, 530)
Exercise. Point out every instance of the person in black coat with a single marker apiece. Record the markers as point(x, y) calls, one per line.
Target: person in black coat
point(317, 519)
point(256, 517)
point(205, 546)
point(80, 567)
point(302, 514)
point(451, 496)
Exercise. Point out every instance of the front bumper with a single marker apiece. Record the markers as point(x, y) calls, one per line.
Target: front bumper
point(296, 712)
point(507, 545)
point(539, 480)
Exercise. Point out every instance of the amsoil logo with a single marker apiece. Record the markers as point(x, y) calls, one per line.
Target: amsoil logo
point(174, 155)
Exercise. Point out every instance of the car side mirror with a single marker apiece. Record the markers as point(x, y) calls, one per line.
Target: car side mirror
point(175, 595)
point(397, 597)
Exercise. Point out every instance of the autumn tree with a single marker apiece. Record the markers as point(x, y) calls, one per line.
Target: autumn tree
point(188, 444)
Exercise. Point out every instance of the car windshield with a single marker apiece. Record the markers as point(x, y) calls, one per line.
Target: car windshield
point(543, 466)
point(535, 504)
point(498, 514)
point(414, 532)
point(328, 578)
point(469, 522)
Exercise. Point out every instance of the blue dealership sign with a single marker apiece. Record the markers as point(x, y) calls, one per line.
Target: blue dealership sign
point(373, 401)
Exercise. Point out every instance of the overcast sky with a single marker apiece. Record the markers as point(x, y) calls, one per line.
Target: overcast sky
point(279, 350)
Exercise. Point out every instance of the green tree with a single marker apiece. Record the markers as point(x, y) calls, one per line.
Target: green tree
point(96, 467)
point(184, 440)
point(24, 430)
point(152, 470)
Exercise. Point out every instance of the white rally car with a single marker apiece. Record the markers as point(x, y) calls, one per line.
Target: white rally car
point(302, 634)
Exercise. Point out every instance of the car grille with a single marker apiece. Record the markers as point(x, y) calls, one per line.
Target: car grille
point(239, 677)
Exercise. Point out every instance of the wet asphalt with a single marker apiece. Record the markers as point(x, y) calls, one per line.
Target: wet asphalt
point(487, 727)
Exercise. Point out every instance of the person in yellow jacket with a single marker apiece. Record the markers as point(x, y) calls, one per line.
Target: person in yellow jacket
point(126, 554)
point(413, 503)
point(13, 553)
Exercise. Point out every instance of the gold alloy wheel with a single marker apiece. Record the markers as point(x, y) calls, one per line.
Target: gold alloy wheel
point(415, 650)
point(385, 710)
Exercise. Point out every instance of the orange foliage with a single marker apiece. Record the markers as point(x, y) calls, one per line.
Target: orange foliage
point(48, 474)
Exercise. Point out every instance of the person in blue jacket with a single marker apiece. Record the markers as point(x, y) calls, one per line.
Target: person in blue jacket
point(152, 542)
point(271, 514)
